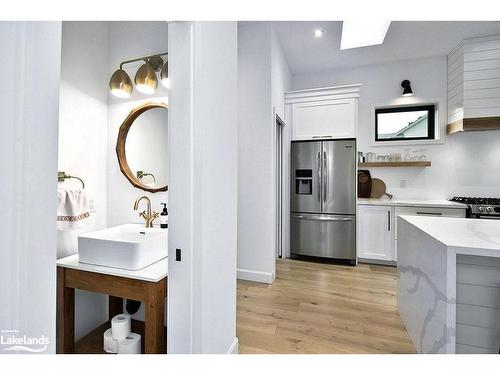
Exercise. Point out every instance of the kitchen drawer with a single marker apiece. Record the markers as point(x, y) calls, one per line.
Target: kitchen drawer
point(323, 235)
point(426, 211)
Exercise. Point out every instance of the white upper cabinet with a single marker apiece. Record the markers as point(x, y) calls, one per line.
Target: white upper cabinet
point(327, 112)
point(335, 118)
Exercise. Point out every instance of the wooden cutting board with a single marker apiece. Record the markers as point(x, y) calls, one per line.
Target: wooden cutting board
point(378, 189)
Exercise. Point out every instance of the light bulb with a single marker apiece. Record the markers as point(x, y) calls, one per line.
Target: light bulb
point(318, 33)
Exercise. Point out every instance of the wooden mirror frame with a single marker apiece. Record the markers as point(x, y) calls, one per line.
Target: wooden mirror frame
point(122, 139)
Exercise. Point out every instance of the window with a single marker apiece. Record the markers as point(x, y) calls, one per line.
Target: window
point(404, 123)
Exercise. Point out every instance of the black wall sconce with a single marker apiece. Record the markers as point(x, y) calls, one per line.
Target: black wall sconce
point(406, 88)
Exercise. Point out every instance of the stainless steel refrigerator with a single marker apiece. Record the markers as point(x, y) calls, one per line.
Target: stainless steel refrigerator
point(323, 199)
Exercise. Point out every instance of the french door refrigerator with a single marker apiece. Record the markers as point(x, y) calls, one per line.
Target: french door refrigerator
point(323, 199)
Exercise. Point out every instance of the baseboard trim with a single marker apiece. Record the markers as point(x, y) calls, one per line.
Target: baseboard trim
point(259, 276)
point(378, 262)
point(233, 349)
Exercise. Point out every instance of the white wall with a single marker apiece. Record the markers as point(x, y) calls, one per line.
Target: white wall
point(281, 81)
point(215, 188)
point(463, 165)
point(128, 40)
point(83, 141)
point(30, 59)
point(180, 335)
point(203, 167)
point(256, 196)
point(263, 77)
point(281, 77)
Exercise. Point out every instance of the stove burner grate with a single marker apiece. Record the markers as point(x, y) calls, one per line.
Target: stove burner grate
point(476, 201)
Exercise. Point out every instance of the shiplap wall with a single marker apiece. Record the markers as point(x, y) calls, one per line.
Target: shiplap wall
point(478, 304)
point(456, 84)
point(474, 79)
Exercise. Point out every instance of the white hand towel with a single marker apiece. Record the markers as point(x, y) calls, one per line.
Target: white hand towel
point(72, 209)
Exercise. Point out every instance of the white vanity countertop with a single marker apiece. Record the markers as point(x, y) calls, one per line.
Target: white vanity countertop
point(466, 236)
point(155, 272)
point(410, 202)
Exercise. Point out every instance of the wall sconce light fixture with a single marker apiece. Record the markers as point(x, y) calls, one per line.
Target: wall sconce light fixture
point(120, 84)
point(406, 88)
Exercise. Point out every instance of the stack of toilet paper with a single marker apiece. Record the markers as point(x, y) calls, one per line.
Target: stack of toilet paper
point(119, 339)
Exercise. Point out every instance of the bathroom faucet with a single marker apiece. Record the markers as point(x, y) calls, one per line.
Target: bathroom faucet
point(147, 215)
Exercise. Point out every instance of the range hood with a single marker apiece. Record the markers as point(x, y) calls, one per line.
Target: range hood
point(474, 124)
point(474, 85)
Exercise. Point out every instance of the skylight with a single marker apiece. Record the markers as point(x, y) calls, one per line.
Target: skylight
point(363, 33)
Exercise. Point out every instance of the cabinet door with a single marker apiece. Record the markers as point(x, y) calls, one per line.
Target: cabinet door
point(375, 234)
point(335, 118)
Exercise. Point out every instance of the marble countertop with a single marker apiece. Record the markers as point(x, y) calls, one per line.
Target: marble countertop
point(410, 202)
point(155, 272)
point(466, 236)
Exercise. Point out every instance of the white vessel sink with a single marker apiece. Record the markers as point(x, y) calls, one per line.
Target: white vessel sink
point(129, 246)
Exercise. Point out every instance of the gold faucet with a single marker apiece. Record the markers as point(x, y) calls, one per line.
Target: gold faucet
point(147, 215)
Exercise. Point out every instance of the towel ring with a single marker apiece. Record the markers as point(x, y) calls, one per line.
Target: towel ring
point(62, 176)
point(141, 174)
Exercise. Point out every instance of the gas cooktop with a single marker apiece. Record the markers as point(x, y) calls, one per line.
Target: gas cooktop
point(480, 206)
point(469, 200)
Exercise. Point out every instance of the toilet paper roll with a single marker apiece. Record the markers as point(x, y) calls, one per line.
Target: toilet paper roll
point(130, 345)
point(120, 326)
point(110, 344)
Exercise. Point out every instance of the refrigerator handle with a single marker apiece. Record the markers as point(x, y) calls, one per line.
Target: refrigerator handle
point(325, 176)
point(321, 218)
point(319, 176)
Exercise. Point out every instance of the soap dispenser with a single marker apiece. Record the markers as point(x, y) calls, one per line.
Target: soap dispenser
point(164, 217)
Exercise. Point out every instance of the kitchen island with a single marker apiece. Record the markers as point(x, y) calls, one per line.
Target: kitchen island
point(449, 283)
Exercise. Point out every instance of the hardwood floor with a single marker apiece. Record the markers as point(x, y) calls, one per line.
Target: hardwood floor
point(322, 308)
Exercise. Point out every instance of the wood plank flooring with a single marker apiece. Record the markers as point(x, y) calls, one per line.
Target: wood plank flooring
point(322, 308)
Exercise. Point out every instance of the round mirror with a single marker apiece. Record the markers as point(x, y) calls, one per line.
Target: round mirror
point(142, 149)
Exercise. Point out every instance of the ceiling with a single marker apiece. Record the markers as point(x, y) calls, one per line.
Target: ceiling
point(404, 40)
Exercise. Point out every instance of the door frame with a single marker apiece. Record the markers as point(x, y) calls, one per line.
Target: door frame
point(279, 186)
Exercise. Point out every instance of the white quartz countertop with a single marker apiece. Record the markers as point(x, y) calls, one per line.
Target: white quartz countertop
point(411, 202)
point(153, 273)
point(466, 236)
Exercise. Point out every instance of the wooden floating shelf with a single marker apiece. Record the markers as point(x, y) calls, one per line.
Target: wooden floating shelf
point(392, 164)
